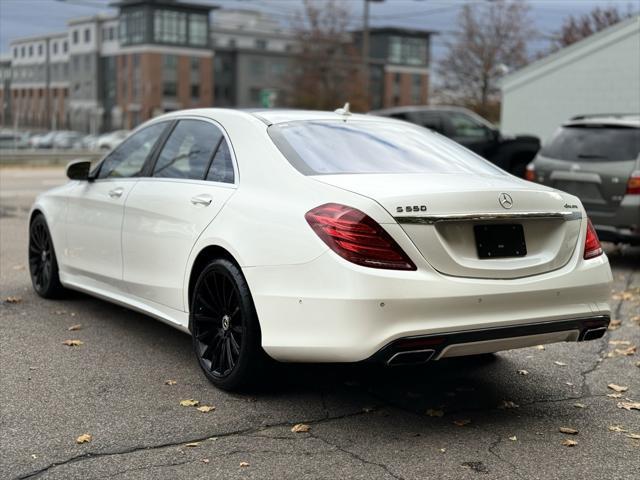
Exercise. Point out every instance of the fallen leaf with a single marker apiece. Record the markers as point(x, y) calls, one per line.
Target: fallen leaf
point(18, 267)
point(443, 450)
point(523, 372)
point(73, 328)
point(205, 460)
point(616, 428)
point(560, 364)
point(244, 464)
point(513, 439)
point(629, 405)
point(60, 312)
point(192, 444)
point(614, 395)
point(626, 351)
point(206, 408)
point(614, 324)
point(617, 388)
point(568, 384)
point(73, 343)
point(84, 438)
point(569, 443)
point(579, 405)
point(72, 314)
point(300, 428)
point(568, 430)
point(13, 299)
point(33, 455)
point(435, 413)
point(635, 436)
point(170, 382)
point(506, 404)
point(635, 319)
point(619, 342)
point(368, 409)
point(189, 402)
point(540, 347)
point(462, 422)
point(623, 296)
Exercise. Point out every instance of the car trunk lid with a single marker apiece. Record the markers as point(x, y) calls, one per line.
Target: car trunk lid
point(445, 216)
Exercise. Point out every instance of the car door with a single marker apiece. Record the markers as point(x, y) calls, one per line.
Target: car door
point(95, 209)
point(191, 179)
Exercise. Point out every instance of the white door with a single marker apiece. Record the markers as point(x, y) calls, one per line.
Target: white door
point(192, 179)
point(96, 208)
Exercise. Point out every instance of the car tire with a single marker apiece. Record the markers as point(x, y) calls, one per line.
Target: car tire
point(224, 328)
point(43, 264)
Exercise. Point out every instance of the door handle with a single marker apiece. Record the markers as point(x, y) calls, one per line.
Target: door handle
point(204, 200)
point(116, 192)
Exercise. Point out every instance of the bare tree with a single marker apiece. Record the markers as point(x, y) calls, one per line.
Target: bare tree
point(327, 66)
point(490, 39)
point(575, 29)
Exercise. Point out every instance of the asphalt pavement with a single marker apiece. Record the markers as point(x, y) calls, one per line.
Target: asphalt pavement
point(489, 417)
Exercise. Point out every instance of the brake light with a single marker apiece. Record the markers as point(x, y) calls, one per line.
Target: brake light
point(633, 185)
point(357, 238)
point(592, 247)
point(530, 173)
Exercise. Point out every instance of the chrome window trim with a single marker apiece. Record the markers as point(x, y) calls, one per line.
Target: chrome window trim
point(459, 217)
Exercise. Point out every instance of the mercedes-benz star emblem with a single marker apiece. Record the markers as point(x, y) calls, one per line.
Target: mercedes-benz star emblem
point(505, 200)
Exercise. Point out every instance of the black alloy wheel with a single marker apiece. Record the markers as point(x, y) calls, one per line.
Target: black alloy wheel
point(43, 265)
point(224, 327)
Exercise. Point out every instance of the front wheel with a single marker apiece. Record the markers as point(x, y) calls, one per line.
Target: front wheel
point(43, 265)
point(225, 328)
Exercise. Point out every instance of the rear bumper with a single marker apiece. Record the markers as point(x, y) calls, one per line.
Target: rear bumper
point(618, 235)
point(621, 225)
point(421, 349)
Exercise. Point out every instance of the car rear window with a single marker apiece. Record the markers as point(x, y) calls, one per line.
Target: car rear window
point(352, 146)
point(598, 144)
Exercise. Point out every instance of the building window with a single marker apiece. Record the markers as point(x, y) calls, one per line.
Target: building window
point(169, 76)
point(170, 27)
point(416, 88)
point(111, 33)
point(65, 46)
point(198, 29)
point(407, 50)
point(75, 37)
point(55, 48)
point(15, 52)
point(195, 79)
point(31, 50)
point(40, 49)
point(257, 67)
point(22, 52)
point(261, 44)
point(87, 35)
point(232, 43)
point(133, 27)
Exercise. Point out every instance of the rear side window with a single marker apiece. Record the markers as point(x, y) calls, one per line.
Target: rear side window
point(330, 147)
point(188, 151)
point(596, 144)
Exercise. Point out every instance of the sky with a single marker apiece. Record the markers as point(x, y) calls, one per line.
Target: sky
point(20, 18)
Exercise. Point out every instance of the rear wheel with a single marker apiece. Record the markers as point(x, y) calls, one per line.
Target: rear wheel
point(43, 265)
point(224, 327)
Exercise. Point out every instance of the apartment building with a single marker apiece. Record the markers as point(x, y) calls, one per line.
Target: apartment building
point(154, 56)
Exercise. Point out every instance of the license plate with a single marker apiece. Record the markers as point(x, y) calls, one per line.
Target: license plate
point(499, 241)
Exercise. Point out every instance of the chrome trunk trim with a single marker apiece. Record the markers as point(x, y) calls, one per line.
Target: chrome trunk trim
point(461, 217)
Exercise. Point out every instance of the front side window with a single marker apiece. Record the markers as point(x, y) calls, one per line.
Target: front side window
point(334, 147)
point(188, 151)
point(128, 159)
point(467, 127)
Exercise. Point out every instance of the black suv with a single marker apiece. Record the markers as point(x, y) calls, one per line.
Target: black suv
point(511, 153)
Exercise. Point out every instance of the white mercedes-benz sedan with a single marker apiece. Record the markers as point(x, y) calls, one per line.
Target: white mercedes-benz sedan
point(306, 236)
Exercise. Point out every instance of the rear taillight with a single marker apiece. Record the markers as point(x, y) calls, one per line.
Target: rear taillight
point(357, 238)
point(530, 173)
point(592, 247)
point(633, 185)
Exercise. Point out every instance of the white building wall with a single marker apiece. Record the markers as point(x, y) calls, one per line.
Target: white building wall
point(598, 75)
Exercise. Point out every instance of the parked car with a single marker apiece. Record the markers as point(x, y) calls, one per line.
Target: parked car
point(13, 140)
point(111, 140)
point(89, 142)
point(597, 159)
point(43, 140)
point(346, 238)
point(510, 152)
point(66, 139)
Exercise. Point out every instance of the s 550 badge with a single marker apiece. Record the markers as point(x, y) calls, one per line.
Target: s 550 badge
point(412, 208)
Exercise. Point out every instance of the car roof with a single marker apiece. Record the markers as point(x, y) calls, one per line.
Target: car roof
point(614, 120)
point(275, 116)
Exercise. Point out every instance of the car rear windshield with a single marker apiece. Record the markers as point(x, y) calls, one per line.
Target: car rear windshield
point(598, 144)
point(352, 146)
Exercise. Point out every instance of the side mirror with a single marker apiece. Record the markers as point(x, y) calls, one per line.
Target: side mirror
point(79, 170)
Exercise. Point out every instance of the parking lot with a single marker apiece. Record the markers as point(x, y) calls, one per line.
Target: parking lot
point(491, 417)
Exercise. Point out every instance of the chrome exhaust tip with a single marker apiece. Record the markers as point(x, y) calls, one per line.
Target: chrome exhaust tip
point(410, 357)
point(593, 333)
